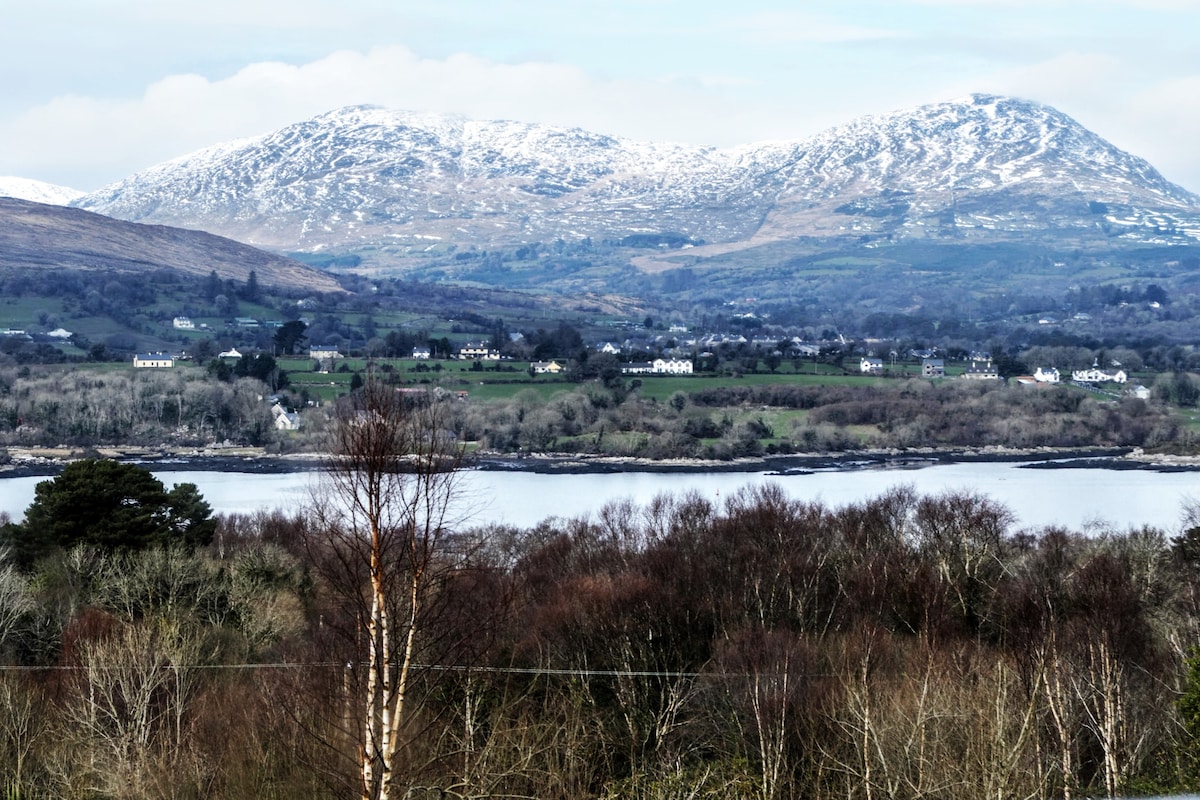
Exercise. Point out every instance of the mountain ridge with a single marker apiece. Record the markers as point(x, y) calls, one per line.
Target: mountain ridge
point(375, 180)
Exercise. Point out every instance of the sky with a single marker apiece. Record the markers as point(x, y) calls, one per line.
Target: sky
point(95, 90)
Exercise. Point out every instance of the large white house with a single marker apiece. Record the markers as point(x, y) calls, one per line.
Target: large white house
point(659, 366)
point(672, 366)
point(479, 350)
point(1097, 375)
point(982, 371)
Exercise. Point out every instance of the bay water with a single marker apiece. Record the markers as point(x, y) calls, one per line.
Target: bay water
point(1085, 499)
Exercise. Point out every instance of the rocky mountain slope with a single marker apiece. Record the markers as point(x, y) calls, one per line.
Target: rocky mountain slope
point(37, 235)
point(373, 178)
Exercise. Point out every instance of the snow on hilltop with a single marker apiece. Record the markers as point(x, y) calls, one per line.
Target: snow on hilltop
point(372, 177)
point(37, 191)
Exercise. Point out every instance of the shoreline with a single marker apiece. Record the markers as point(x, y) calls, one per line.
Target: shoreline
point(34, 462)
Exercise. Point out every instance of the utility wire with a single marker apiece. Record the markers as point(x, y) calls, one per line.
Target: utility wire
point(575, 673)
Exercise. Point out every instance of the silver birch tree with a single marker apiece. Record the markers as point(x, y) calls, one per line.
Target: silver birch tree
point(387, 512)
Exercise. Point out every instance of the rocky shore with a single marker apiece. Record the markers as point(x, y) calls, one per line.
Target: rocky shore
point(34, 461)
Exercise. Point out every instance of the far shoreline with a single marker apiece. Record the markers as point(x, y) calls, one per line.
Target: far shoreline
point(36, 462)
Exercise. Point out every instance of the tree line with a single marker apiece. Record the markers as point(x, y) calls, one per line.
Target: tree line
point(606, 414)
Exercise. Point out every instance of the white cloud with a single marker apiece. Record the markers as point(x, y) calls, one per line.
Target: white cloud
point(104, 140)
point(84, 142)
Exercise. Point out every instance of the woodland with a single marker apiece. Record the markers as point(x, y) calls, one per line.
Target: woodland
point(370, 646)
point(606, 414)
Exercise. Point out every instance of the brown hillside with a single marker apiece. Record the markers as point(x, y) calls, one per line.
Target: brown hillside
point(38, 235)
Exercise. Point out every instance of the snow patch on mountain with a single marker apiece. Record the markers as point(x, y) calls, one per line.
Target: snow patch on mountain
point(366, 176)
point(37, 191)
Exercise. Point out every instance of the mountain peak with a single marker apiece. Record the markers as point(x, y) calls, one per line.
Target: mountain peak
point(376, 180)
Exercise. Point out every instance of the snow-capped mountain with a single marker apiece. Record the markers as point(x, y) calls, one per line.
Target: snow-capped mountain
point(37, 191)
point(371, 180)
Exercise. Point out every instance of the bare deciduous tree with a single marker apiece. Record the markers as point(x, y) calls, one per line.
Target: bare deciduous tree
point(387, 517)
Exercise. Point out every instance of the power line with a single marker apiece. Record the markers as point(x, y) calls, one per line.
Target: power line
point(565, 672)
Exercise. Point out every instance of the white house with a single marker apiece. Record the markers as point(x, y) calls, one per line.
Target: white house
point(933, 368)
point(1096, 375)
point(609, 347)
point(672, 366)
point(1046, 375)
point(183, 324)
point(232, 353)
point(323, 352)
point(479, 350)
point(637, 368)
point(982, 371)
point(421, 353)
point(153, 361)
point(871, 366)
point(546, 367)
point(285, 420)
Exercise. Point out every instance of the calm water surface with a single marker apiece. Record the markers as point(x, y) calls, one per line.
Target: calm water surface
point(1075, 498)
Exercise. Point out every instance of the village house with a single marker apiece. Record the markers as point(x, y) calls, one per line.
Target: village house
point(478, 351)
point(153, 361)
point(982, 371)
point(659, 366)
point(871, 366)
point(1046, 375)
point(285, 419)
point(1097, 375)
point(933, 368)
point(672, 366)
point(546, 367)
point(323, 352)
point(183, 324)
point(421, 353)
